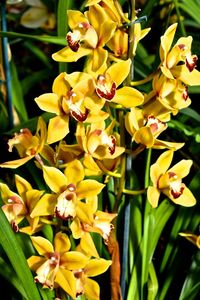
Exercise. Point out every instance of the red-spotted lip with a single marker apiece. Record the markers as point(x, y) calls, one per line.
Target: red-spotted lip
point(73, 44)
point(177, 194)
point(102, 89)
point(112, 145)
point(191, 63)
point(79, 115)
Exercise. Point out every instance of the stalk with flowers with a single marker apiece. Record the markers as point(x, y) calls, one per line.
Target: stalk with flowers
point(93, 226)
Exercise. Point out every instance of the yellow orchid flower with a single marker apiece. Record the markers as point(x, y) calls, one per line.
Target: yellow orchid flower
point(85, 285)
point(90, 32)
point(19, 206)
point(145, 130)
point(97, 141)
point(70, 97)
point(177, 62)
point(37, 15)
point(27, 145)
point(167, 96)
point(169, 181)
point(56, 265)
point(101, 223)
point(193, 238)
point(107, 83)
point(69, 189)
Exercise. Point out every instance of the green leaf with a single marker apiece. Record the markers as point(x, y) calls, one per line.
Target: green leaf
point(42, 38)
point(9, 274)
point(191, 8)
point(17, 95)
point(191, 113)
point(191, 286)
point(17, 258)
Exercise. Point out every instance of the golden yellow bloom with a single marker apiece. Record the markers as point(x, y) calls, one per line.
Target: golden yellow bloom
point(169, 181)
point(19, 206)
point(177, 62)
point(37, 15)
point(90, 32)
point(145, 130)
point(27, 145)
point(71, 97)
point(56, 264)
point(107, 83)
point(167, 96)
point(68, 189)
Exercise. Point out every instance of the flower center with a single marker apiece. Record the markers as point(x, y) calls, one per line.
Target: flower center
point(106, 87)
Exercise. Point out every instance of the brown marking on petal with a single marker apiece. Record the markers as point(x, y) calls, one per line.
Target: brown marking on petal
point(185, 94)
point(106, 88)
point(112, 146)
point(172, 174)
point(182, 46)
point(62, 216)
point(177, 194)
point(71, 187)
point(79, 115)
point(14, 226)
point(84, 25)
point(73, 43)
point(191, 62)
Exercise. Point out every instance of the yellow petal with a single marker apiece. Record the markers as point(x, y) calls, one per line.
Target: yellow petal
point(34, 17)
point(60, 86)
point(128, 97)
point(186, 199)
point(35, 262)
point(61, 242)
point(76, 228)
point(6, 193)
point(167, 40)
point(45, 206)
point(144, 136)
point(158, 144)
point(153, 195)
point(67, 55)
point(74, 260)
point(182, 168)
point(97, 60)
point(13, 164)
point(74, 171)
point(48, 102)
point(84, 213)
point(187, 77)
point(58, 128)
point(22, 185)
point(92, 290)
point(66, 281)
point(97, 266)
point(88, 246)
point(161, 166)
point(42, 245)
point(89, 188)
point(55, 179)
point(119, 71)
point(75, 17)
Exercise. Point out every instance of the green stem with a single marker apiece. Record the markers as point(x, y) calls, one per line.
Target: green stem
point(132, 192)
point(179, 18)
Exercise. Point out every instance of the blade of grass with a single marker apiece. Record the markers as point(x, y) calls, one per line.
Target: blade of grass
point(42, 38)
point(17, 258)
point(17, 94)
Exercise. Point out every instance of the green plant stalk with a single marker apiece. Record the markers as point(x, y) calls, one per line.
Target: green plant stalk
point(179, 17)
point(17, 258)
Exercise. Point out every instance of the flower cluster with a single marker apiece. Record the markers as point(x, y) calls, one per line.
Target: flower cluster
point(93, 104)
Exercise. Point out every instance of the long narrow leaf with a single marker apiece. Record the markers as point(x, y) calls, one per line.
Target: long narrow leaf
point(17, 258)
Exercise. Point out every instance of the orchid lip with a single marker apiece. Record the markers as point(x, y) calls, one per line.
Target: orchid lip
point(103, 90)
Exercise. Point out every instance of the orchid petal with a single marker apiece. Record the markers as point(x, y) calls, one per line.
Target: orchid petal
point(45, 206)
point(128, 97)
point(74, 260)
point(42, 245)
point(97, 266)
point(182, 168)
point(89, 188)
point(119, 71)
point(58, 128)
point(13, 164)
point(74, 171)
point(186, 199)
point(67, 55)
point(66, 281)
point(92, 290)
point(153, 195)
point(55, 179)
point(48, 102)
point(61, 242)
